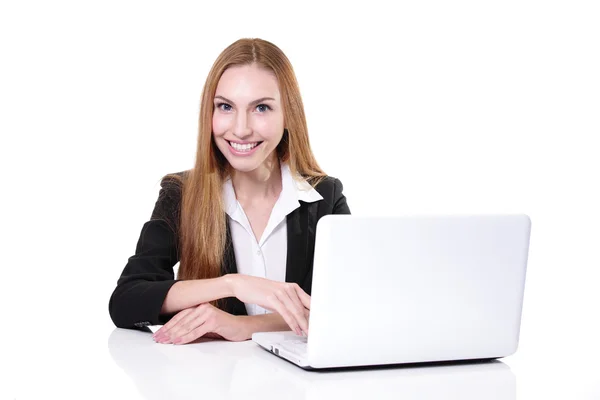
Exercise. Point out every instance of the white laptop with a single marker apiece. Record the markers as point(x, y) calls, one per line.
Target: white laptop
point(411, 289)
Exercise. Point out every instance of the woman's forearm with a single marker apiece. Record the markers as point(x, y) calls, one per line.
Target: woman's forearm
point(264, 323)
point(190, 293)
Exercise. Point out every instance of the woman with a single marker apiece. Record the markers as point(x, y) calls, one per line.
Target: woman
point(242, 222)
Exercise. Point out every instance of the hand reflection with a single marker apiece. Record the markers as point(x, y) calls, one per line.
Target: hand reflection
point(220, 369)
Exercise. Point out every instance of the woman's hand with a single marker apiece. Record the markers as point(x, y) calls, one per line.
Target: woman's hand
point(287, 299)
point(204, 320)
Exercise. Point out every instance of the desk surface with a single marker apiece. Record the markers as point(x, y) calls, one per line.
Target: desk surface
point(127, 364)
point(244, 370)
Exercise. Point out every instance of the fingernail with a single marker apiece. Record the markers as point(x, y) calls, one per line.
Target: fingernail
point(164, 339)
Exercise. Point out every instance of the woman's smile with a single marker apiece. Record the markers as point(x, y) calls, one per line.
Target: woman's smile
point(243, 149)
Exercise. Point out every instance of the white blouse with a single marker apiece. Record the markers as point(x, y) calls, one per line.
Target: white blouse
point(267, 258)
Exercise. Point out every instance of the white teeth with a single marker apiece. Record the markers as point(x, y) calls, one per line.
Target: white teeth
point(243, 147)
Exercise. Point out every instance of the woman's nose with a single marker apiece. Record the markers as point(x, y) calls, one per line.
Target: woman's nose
point(241, 128)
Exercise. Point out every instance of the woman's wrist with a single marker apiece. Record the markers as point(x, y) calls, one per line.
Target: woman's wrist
point(230, 282)
point(271, 322)
point(245, 326)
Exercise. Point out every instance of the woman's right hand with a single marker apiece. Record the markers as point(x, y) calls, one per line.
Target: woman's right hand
point(287, 299)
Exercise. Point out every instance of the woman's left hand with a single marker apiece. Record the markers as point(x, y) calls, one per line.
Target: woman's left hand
point(203, 320)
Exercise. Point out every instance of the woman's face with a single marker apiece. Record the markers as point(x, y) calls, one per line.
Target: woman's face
point(247, 120)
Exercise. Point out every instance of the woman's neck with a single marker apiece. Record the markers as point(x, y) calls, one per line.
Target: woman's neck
point(261, 184)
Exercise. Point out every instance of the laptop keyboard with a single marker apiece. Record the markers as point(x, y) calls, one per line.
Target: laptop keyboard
point(297, 346)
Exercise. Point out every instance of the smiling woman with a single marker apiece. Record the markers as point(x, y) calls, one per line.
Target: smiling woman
point(235, 122)
point(242, 221)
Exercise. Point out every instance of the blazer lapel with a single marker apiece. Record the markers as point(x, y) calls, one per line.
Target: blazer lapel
point(229, 263)
point(300, 231)
point(232, 304)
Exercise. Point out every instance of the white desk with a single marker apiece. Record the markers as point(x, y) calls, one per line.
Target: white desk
point(225, 370)
point(79, 359)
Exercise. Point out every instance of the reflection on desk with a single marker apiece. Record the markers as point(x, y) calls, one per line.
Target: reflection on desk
point(246, 371)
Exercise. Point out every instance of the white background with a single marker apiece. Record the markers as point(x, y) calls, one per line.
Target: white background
point(429, 106)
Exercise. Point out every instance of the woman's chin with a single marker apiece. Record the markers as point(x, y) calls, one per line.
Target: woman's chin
point(251, 162)
point(245, 165)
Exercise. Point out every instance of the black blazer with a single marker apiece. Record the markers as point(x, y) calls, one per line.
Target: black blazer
point(148, 275)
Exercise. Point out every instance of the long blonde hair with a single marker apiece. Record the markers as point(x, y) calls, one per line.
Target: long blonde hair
point(202, 231)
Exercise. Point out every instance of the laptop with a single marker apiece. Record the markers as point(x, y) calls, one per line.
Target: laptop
point(489, 380)
point(411, 289)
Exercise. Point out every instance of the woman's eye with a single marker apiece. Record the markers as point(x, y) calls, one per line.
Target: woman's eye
point(224, 106)
point(263, 107)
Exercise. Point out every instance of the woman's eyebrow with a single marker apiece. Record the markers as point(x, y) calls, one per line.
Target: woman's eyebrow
point(257, 101)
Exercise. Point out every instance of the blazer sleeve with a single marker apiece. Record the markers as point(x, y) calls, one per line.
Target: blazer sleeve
point(340, 205)
point(148, 275)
